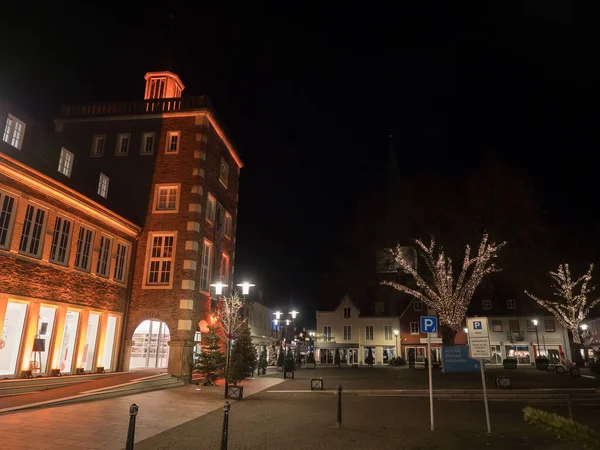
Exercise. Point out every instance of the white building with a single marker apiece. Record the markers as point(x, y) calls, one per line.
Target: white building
point(259, 321)
point(354, 335)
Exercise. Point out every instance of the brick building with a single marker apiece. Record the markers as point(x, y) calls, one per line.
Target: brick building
point(164, 165)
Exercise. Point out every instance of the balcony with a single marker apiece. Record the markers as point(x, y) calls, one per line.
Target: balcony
point(161, 105)
point(515, 336)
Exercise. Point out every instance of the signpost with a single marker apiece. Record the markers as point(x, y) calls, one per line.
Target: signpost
point(479, 348)
point(429, 326)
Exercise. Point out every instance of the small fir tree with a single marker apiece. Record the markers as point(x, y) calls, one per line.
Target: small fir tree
point(243, 356)
point(369, 360)
point(212, 358)
point(337, 357)
point(262, 361)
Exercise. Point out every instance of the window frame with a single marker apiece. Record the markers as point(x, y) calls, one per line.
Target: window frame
point(418, 302)
point(100, 185)
point(488, 303)
point(119, 146)
point(90, 256)
point(413, 326)
point(10, 223)
point(510, 302)
point(143, 146)
point(347, 332)
point(62, 161)
point(224, 275)
point(170, 134)
point(224, 174)
point(495, 322)
point(127, 247)
point(327, 333)
point(9, 131)
point(104, 238)
point(387, 328)
point(206, 267)
point(546, 329)
point(349, 315)
point(95, 139)
point(157, 188)
point(211, 211)
point(148, 259)
point(42, 236)
point(369, 334)
point(228, 225)
point(54, 245)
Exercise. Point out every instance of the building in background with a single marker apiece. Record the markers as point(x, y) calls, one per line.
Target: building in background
point(165, 168)
point(260, 321)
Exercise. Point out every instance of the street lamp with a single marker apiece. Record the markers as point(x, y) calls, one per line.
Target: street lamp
point(245, 285)
point(396, 333)
point(278, 315)
point(219, 285)
point(466, 330)
point(537, 336)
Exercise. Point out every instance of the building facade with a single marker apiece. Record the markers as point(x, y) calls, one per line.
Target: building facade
point(164, 166)
point(353, 335)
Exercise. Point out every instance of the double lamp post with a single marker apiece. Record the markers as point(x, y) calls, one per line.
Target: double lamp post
point(281, 326)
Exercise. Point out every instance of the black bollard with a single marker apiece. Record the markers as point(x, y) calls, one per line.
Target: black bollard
point(339, 412)
point(133, 410)
point(225, 432)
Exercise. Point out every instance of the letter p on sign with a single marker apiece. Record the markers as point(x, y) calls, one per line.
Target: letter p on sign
point(428, 324)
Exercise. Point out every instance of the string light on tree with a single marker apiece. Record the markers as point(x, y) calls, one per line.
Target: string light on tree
point(570, 308)
point(448, 295)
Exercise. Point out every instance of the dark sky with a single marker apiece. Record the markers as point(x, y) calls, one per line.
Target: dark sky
point(310, 93)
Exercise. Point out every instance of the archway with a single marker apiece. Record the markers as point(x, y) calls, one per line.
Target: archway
point(150, 345)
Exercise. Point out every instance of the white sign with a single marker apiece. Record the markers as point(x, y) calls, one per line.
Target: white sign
point(479, 338)
point(434, 340)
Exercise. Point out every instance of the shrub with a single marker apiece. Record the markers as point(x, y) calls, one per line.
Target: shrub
point(563, 428)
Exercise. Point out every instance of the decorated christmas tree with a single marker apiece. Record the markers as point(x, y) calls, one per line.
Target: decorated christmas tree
point(243, 356)
point(212, 358)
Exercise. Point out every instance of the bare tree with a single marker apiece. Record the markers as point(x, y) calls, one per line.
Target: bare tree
point(440, 290)
point(571, 308)
point(230, 318)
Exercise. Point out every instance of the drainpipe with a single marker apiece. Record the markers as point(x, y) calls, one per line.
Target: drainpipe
point(127, 302)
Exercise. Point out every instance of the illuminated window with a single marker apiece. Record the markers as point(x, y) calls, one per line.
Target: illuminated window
point(7, 208)
point(147, 144)
point(120, 262)
point(98, 143)
point(13, 131)
point(205, 266)
point(327, 334)
point(103, 185)
point(172, 142)
point(123, 144)
point(387, 331)
point(369, 333)
point(65, 163)
point(83, 254)
point(224, 173)
point(228, 224)
point(59, 251)
point(103, 265)
point(211, 208)
point(32, 236)
point(347, 333)
point(160, 259)
point(224, 269)
point(166, 198)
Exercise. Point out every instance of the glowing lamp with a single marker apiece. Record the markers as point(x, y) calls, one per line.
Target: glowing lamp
point(396, 332)
point(535, 322)
point(246, 287)
point(293, 314)
point(278, 314)
point(583, 326)
point(466, 330)
point(219, 285)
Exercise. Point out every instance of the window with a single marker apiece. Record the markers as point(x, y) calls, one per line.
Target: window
point(211, 208)
point(205, 266)
point(327, 333)
point(147, 144)
point(497, 325)
point(387, 331)
point(228, 224)
point(530, 326)
point(160, 259)
point(166, 198)
point(84, 249)
point(33, 225)
point(103, 185)
point(549, 325)
point(172, 142)
point(418, 305)
point(347, 333)
point(13, 131)
point(347, 313)
point(98, 144)
point(510, 304)
point(156, 88)
point(414, 328)
point(224, 173)
point(369, 333)
point(513, 325)
point(487, 304)
point(7, 206)
point(120, 263)
point(103, 266)
point(59, 252)
point(224, 269)
point(65, 163)
point(122, 144)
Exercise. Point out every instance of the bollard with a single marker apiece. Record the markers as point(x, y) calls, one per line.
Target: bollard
point(133, 410)
point(225, 432)
point(339, 411)
point(570, 404)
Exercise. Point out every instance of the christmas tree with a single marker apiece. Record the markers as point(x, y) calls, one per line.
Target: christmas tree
point(369, 360)
point(337, 357)
point(243, 356)
point(212, 358)
point(262, 361)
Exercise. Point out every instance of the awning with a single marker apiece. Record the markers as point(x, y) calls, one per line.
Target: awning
point(334, 345)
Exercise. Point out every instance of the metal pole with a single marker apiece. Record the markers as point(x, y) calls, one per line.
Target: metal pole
point(133, 410)
point(225, 432)
point(339, 409)
point(397, 346)
point(537, 338)
point(430, 381)
point(227, 365)
point(485, 399)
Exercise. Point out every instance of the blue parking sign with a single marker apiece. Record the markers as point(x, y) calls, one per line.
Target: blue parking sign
point(428, 324)
point(477, 325)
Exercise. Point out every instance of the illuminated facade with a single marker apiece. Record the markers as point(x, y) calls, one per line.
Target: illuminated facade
point(163, 178)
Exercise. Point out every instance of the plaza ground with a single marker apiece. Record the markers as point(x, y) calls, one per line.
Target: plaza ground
point(278, 414)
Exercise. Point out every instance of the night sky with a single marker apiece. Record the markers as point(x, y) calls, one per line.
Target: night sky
point(309, 96)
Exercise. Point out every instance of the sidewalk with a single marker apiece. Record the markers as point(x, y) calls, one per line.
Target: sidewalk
point(103, 424)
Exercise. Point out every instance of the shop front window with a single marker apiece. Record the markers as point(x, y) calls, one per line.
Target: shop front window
point(150, 345)
point(417, 354)
point(10, 340)
point(68, 342)
point(90, 342)
point(366, 354)
point(109, 343)
point(520, 352)
point(388, 354)
point(496, 355)
point(41, 344)
point(552, 352)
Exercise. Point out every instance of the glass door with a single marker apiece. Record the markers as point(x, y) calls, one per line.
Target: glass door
point(90, 342)
point(41, 343)
point(10, 340)
point(68, 342)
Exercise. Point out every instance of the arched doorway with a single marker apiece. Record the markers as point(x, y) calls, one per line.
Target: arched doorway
point(150, 345)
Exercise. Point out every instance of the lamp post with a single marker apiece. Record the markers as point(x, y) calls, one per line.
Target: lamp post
point(396, 333)
point(537, 337)
point(285, 333)
point(584, 327)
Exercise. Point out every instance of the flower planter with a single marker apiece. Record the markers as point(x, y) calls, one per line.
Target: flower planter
point(236, 392)
point(316, 384)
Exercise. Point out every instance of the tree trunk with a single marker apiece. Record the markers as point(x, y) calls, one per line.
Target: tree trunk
point(448, 335)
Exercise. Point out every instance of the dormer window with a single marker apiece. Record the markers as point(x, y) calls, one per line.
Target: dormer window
point(156, 87)
point(347, 313)
point(13, 131)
